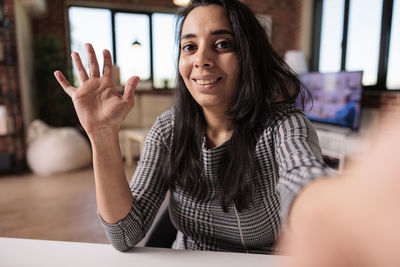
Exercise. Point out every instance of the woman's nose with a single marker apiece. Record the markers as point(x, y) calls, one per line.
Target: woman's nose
point(204, 58)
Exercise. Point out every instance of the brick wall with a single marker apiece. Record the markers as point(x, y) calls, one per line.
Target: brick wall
point(286, 17)
point(286, 21)
point(12, 143)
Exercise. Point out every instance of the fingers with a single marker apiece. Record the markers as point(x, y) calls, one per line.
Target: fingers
point(93, 65)
point(64, 83)
point(107, 69)
point(82, 75)
point(130, 88)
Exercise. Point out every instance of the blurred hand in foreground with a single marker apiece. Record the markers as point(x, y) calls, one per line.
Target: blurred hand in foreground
point(357, 220)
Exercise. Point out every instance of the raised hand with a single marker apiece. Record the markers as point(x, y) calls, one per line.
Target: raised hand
point(96, 101)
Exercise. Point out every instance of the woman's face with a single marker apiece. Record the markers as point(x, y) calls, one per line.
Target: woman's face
point(208, 61)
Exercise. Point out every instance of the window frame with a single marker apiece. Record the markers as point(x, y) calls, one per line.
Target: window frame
point(386, 23)
point(113, 11)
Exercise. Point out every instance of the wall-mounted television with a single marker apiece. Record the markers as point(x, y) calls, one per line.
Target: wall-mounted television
point(336, 97)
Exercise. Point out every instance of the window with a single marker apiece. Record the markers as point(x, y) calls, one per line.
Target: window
point(393, 77)
point(331, 35)
point(363, 38)
point(132, 59)
point(358, 35)
point(164, 55)
point(142, 44)
point(86, 25)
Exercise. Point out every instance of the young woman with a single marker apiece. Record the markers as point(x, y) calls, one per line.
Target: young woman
point(234, 150)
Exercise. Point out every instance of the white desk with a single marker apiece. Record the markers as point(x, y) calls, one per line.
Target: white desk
point(29, 252)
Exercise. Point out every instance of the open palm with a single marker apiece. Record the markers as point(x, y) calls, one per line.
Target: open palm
point(96, 101)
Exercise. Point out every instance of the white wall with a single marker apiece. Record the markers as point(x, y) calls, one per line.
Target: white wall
point(147, 108)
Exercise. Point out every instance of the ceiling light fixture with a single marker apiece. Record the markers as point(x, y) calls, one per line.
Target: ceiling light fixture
point(136, 43)
point(182, 3)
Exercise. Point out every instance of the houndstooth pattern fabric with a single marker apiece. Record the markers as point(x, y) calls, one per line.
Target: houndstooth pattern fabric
point(287, 158)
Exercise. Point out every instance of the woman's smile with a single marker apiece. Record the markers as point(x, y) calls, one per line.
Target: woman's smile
point(207, 84)
point(206, 81)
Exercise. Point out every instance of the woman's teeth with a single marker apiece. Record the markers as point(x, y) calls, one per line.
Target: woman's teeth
point(205, 82)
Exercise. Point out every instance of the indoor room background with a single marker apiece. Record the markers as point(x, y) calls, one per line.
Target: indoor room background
point(47, 187)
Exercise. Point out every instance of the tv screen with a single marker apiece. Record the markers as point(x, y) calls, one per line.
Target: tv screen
point(336, 97)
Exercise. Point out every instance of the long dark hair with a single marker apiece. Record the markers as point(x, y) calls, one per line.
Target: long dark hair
point(264, 79)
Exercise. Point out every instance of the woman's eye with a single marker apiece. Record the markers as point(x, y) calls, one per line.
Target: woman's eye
point(224, 44)
point(188, 48)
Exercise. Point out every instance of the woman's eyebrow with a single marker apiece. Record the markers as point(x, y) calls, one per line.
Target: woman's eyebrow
point(216, 32)
point(188, 36)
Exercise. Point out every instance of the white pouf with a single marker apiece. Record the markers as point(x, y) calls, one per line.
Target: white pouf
point(55, 150)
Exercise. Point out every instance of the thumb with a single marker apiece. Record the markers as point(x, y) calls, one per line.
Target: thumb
point(130, 88)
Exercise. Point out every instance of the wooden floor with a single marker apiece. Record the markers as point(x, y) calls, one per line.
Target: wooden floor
point(60, 207)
